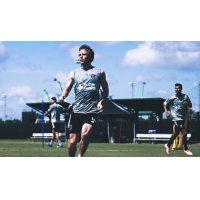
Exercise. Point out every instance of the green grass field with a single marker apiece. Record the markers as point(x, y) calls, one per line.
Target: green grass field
point(27, 148)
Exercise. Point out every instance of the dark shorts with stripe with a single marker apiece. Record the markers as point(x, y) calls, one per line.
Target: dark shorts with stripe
point(55, 126)
point(77, 120)
point(179, 125)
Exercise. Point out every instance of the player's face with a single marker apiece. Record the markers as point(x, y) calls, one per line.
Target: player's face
point(51, 101)
point(178, 89)
point(84, 57)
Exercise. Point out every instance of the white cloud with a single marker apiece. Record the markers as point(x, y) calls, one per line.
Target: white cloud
point(63, 45)
point(140, 79)
point(22, 101)
point(61, 77)
point(74, 52)
point(187, 57)
point(157, 77)
point(107, 43)
point(159, 93)
point(162, 94)
point(174, 55)
point(21, 91)
point(145, 55)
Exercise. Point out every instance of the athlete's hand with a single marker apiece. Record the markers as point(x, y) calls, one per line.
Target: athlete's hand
point(100, 107)
point(61, 98)
point(45, 113)
point(185, 103)
point(167, 114)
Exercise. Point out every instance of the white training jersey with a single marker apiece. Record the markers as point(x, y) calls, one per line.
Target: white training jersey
point(177, 109)
point(55, 110)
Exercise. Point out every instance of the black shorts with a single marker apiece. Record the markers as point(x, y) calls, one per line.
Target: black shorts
point(179, 125)
point(77, 120)
point(55, 126)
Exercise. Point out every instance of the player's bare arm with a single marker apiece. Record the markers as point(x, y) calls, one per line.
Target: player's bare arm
point(68, 87)
point(187, 104)
point(69, 107)
point(46, 113)
point(166, 112)
point(104, 85)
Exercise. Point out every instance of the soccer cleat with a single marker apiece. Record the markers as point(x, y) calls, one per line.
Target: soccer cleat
point(49, 144)
point(167, 149)
point(188, 152)
point(60, 145)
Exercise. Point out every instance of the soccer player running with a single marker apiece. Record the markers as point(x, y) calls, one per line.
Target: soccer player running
point(55, 110)
point(178, 107)
point(87, 103)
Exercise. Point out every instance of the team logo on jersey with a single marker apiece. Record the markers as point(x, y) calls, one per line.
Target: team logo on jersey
point(93, 120)
point(93, 76)
point(80, 80)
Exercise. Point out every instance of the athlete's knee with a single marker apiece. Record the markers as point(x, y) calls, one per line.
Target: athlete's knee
point(84, 135)
point(73, 141)
point(57, 134)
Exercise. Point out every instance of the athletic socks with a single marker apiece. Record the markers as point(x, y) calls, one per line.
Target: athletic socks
point(59, 142)
point(79, 155)
point(51, 142)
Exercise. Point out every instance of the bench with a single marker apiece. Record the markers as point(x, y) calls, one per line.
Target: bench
point(155, 136)
point(47, 136)
point(38, 121)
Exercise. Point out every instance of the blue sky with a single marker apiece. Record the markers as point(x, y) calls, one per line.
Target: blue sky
point(27, 68)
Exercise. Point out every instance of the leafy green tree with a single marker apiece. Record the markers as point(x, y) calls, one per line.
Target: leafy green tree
point(14, 121)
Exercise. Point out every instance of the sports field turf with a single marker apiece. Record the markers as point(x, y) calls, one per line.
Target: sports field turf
point(27, 148)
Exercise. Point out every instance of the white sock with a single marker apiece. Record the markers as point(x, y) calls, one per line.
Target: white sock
point(79, 155)
point(59, 142)
point(51, 142)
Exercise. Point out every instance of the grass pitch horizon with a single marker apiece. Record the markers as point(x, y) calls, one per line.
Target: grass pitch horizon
point(27, 148)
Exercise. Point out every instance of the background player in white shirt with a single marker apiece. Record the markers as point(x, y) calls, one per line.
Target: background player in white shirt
point(55, 110)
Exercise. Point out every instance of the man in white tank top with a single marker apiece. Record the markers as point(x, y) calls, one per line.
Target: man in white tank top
point(87, 105)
